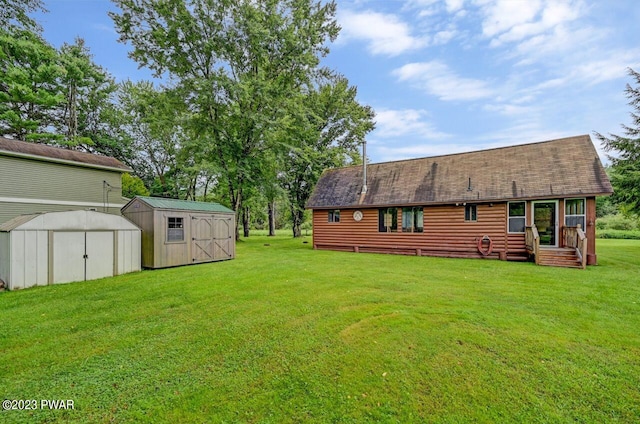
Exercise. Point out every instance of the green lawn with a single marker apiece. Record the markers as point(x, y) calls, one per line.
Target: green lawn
point(287, 334)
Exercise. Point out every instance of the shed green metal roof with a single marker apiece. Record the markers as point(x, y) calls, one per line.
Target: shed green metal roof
point(183, 205)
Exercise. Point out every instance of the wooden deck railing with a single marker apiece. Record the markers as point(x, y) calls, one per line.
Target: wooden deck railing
point(575, 238)
point(532, 241)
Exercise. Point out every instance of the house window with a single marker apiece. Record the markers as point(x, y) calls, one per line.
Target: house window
point(334, 215)
point(175, 229)
point(412, 220)
point(574, 212)
point(517, 217)
point(470, 212)
point(388, 220)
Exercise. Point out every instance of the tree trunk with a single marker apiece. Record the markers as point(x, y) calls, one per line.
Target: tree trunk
point(246, 215)
point(272, 219)
point(72, 130)
point(297, 216)
point(236, 201)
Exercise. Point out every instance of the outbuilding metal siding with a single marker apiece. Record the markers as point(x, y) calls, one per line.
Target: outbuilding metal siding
point(61, 247)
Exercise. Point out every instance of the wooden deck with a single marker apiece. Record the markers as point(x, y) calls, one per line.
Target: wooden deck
point(565, 257)
point(573, 254)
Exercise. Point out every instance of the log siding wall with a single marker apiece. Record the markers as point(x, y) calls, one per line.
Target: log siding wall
point(446, 233)
point(590, 231)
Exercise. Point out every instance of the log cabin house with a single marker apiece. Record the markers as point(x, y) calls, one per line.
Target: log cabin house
point(534, 200)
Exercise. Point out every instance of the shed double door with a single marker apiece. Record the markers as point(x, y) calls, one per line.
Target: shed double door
point(82, 255)
point(211, 238)
point(223, 241)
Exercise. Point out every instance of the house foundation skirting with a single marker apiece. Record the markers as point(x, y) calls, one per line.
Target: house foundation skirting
point(409, 251)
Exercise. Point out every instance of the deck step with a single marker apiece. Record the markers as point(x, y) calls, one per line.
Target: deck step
point(560, 257)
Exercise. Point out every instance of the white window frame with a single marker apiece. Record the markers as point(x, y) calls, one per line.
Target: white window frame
point(583, 215)
point(177, 220)
point(518, 217)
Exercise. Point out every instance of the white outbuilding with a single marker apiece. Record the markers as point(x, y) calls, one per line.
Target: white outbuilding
point(62, 247)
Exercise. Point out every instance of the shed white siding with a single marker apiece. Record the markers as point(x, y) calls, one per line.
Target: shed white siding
point(129, 252)
point(31, 246)
point(5, 256)
point(68, 246)
point(62, 247)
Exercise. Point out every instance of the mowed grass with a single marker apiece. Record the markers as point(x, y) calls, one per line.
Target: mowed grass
point(287, 334)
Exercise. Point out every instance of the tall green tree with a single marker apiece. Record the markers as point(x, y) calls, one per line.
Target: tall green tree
point(327, 132)
point(239, 61)
point(152, 120)
point(88, 92)
point(30, 90)
point(626, 160)
point(15, 13)
point(133, 186)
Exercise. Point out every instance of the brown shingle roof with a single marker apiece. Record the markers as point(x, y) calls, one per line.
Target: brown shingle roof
point(558, 168)
point(56, 154)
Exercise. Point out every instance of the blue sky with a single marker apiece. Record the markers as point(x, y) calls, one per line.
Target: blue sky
point(447, 76)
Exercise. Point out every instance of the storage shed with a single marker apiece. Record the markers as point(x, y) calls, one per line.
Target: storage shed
point(61, 247)
point(181, 232)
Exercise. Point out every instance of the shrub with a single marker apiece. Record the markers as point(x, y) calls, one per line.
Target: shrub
point(616, 222)
point(618, 234)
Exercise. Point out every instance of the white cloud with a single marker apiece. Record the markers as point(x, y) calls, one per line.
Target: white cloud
point(522, 132)
point(385, 34)
point(430, 6)
point(397, 131)
point(559, 43)
point(418, 4)
point(397, 123)
point(509, 21)
point(454, 6)
point(503, 15)
point(437, 79)
point(508, 109)
point(589, 72)
point(443, 37)
point(391, 153)
point(612, 67)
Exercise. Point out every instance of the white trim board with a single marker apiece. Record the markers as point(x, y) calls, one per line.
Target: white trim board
point(60, 202)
